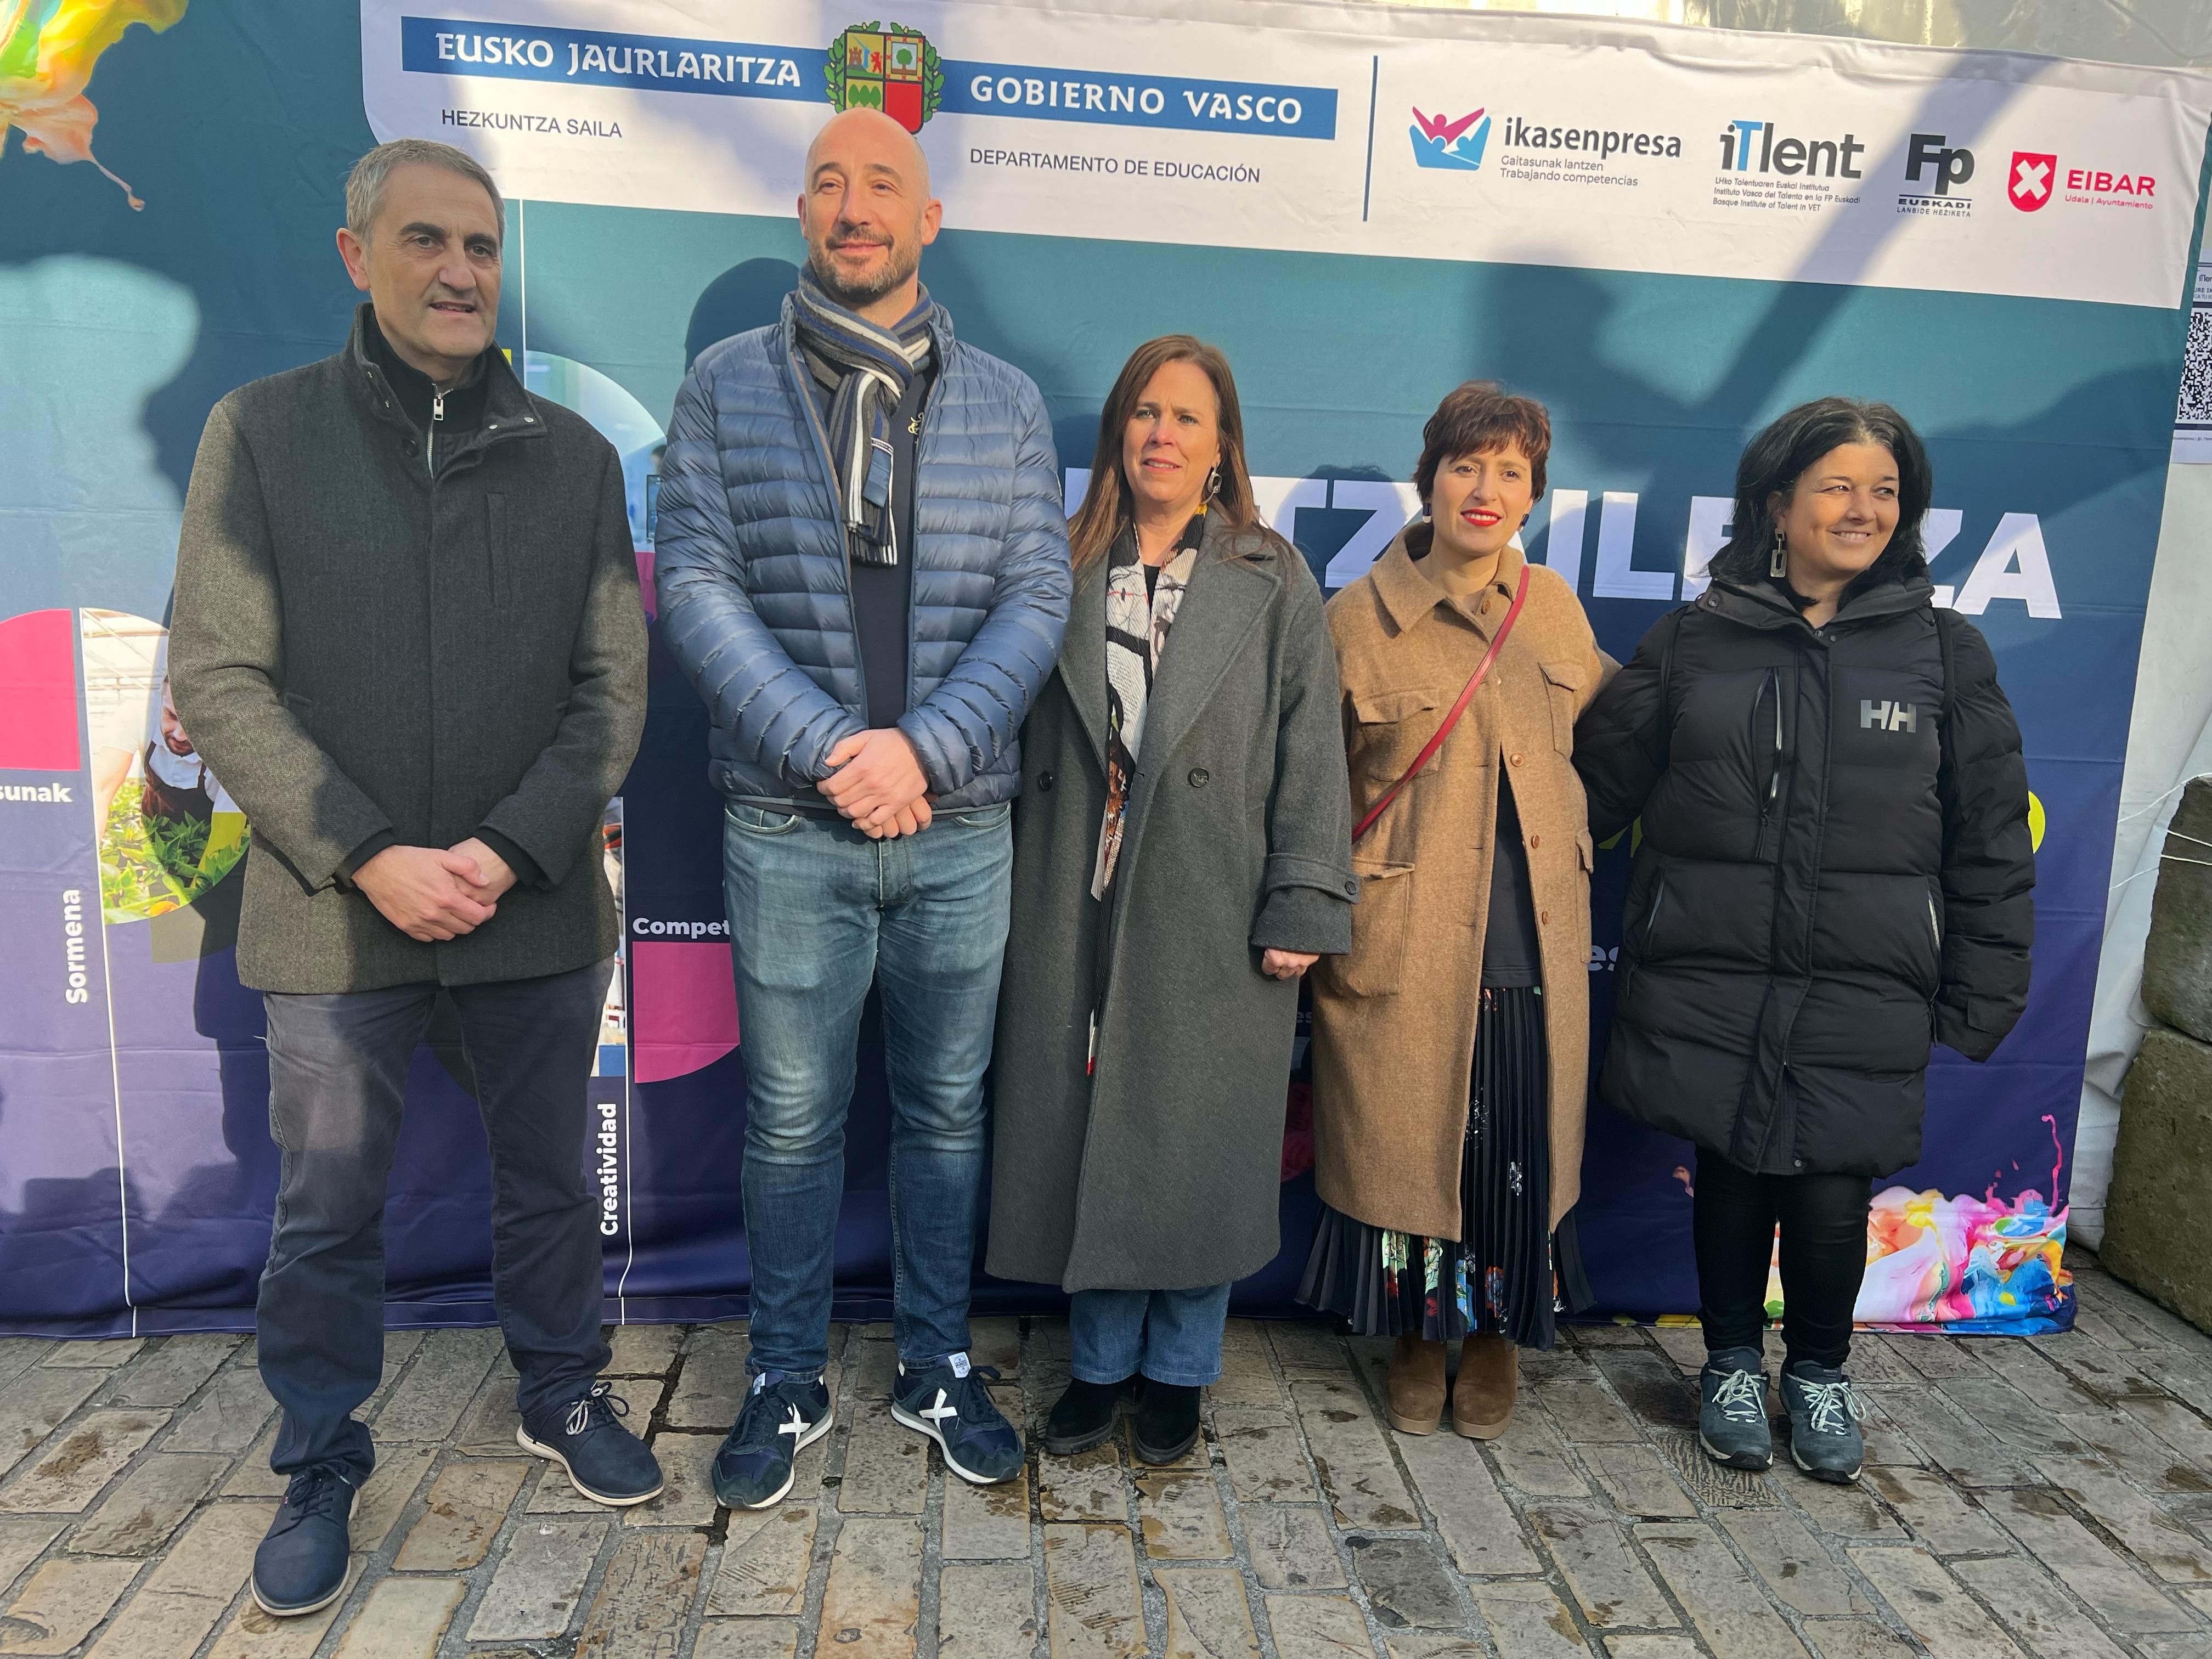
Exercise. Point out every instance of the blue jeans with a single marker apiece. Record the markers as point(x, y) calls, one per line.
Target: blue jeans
point(337, 1077)
point(817, 913)
point(1171, 1336)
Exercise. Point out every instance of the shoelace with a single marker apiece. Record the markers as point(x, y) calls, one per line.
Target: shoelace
point(1742, 1397)
point(320, 1493)
point(1831, 1406)
point(958, 1403)
point(597, 1406)
point(768, 1412)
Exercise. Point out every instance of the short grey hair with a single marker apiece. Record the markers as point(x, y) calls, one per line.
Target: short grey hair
point(364, 191)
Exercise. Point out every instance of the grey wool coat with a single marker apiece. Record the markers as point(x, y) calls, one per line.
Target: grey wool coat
point(364, 652)
point(1161, 1171)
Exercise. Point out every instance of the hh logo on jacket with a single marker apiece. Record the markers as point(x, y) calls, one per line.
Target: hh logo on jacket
point(1887, 716)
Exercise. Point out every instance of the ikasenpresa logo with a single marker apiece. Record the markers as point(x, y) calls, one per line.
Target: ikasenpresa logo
point(1458, 143)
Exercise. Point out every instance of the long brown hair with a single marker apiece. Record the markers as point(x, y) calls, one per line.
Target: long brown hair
point(1107, 509)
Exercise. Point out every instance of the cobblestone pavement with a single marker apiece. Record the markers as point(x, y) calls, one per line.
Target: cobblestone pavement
point(2040, 1499)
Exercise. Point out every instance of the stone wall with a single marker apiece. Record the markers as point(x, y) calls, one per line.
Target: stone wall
point(2162, 1191)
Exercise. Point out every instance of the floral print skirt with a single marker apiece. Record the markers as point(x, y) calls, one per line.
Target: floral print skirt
point(1509, 1272)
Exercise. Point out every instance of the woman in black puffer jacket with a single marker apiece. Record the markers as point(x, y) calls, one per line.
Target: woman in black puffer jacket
point(1835, 873)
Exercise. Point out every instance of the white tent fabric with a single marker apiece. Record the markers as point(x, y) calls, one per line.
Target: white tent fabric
point(2169, 741)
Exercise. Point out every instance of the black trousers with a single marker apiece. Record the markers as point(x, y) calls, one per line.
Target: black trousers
point(337, 1076)
point(1823, 1219)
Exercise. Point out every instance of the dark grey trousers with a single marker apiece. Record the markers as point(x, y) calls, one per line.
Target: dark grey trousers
point(337, 1078)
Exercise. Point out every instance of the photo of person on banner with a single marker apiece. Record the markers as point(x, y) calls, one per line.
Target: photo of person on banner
point(1449, 1058)
point(866, 675)
point(169, 830)
point(1181, 860)
point(1835, 874)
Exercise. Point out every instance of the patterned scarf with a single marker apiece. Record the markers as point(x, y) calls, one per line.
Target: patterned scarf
point(1137, 625)
point(872, 367)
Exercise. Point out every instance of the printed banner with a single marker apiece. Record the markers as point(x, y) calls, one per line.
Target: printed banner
point(1350, 130)
point(1669, 235)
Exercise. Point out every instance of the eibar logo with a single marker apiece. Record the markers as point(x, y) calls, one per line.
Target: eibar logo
point(1456, 144)
point(885, 66)
point(2030, 180)
point(1756, 147)
point(1931, 150)
point(1887, 716)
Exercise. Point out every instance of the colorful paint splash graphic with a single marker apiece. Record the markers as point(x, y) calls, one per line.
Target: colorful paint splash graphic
point(47, 52)
point(1983, 1266)
point(1968, 1264)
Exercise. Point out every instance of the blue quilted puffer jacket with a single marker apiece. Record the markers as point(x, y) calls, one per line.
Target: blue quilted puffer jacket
point(751, 562)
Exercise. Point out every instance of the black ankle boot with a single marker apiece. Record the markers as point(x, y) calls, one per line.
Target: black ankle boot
point(1167, 1422)
point(1082, 1417)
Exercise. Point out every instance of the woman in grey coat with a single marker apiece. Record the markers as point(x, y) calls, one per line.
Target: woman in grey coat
point(1181, 856)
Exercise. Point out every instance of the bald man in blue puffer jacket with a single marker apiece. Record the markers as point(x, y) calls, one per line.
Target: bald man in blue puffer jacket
point(863, 569)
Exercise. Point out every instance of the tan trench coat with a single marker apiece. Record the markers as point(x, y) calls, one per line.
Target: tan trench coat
point(1394, 1019)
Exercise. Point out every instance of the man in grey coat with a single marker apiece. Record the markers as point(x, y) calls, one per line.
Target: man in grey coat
point(407, 636)
point(863, 569)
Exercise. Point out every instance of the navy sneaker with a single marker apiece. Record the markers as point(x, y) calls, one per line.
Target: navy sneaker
point(303, 1561)
point(1732, 1409)
point(782, 1418)
point(950, 1403)
point(1824, 1422)
point(606, 1461)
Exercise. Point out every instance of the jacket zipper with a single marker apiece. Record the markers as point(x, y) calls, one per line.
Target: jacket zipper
point(1935, 926)
point(430, 438)
point(1772, 795)
point(1652, 918)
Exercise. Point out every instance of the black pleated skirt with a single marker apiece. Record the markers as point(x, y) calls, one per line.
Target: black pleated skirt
point(1509, 1273)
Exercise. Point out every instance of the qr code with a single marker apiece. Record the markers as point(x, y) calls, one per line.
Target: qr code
point(2195, 407)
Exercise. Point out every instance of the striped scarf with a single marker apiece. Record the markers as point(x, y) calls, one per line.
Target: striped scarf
point(872, 367)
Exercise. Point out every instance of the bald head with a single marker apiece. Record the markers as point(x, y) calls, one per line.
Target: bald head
point(870, 138)
point(866, 213)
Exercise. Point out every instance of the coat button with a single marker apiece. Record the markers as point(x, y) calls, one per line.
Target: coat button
point(1535, 841)
point(1044, 783)
point(1352, 888)
point(1543, 918)
point(1199, 777)
point(1514, 759)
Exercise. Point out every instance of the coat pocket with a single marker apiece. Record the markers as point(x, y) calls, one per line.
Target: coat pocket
point(1564, 683)
point(495, 559)
point(1380, 921)
point(1389, 728)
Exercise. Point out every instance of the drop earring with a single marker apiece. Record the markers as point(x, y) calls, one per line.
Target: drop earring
point(1213, 482)
point(1778, 566)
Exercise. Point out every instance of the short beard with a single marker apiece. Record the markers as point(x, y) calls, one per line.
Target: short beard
point(901, 265)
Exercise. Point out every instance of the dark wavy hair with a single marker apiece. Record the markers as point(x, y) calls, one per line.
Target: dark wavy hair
point(1774, 461)
point(1476, 417)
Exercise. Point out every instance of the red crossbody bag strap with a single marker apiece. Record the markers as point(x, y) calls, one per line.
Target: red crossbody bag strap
point(1473, 684)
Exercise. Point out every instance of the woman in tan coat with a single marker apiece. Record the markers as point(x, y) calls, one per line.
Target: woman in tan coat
point(1450, 1043)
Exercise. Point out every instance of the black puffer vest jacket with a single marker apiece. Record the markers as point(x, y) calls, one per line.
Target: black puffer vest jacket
point(1835, 871)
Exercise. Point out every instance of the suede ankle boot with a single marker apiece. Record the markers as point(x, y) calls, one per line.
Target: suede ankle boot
point(1489, 1379)
point(1414, 1395)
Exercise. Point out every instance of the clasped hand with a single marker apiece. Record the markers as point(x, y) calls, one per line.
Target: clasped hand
point(433, 896)
point(875, 780)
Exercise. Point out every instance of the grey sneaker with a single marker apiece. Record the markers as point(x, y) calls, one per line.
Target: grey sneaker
point(1732, 1410)
point(1824, 1422)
